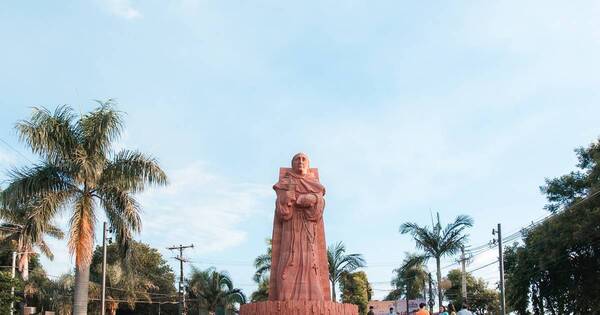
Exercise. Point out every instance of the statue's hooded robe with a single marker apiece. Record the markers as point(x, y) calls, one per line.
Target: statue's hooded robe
point(299, 267)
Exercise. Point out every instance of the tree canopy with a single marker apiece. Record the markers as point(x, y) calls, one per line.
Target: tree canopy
point(557, 269)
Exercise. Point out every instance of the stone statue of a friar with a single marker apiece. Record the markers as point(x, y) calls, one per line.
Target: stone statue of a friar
point(299, 269)
point(299, 283)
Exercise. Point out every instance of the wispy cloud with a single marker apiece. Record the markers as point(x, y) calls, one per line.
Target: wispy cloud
point(201, 207)
point(122, 8)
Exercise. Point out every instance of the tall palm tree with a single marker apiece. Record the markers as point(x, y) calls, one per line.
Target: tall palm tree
point(80, 171)
point(340, 263)
point(262, 263)
point(24, 231)
point(437, 242)
point(214, 289)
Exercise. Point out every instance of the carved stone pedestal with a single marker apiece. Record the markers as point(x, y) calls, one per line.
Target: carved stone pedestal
point(298, 308)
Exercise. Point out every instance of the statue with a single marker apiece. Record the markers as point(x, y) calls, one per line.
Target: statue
point(299, 269)
point(299, 283)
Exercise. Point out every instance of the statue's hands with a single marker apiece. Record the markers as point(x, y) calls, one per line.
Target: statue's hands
point(306, 200)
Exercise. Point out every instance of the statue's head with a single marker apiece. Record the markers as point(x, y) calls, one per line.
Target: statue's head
point(300, 164)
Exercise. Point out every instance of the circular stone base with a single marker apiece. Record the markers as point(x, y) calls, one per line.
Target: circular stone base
point(298, 308)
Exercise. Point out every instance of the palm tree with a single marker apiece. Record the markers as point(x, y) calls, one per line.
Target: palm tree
point(437, 242)
point(410, 277)
point(80, 171)
point(262, 263)
point(214, 289)
point(339, 263)
point(25, 231)
point(61, 292)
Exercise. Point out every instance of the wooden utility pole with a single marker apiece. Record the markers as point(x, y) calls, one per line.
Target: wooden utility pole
point(103, 299)
point(463, 274)
point(182, 306)
point(501, 269)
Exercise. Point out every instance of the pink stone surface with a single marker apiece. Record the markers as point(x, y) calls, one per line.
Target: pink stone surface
point(298, 308)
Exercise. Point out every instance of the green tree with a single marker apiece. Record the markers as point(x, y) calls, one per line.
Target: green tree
point(6, 298)
point(438, 242)
point(80, 171)
point(261, 293)
point(557, 265)
point(61, 292)
point(356, 290)
point(481, 298)
point(340, 263)
point(140, 275)
point(24, 231)
point(412, 274)
point(214, 289)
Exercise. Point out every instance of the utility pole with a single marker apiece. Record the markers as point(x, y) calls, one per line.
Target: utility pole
point(407, 288)
point(182, 306)
point(463, 274)
point(12, 289)
point(104, 240)
point(501, 267)
point(431, 293)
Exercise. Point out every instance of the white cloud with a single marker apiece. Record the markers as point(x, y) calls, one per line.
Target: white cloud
point(122, 8)
point(201, 208)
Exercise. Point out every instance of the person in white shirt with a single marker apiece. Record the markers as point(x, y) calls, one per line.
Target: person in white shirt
point(464, 310)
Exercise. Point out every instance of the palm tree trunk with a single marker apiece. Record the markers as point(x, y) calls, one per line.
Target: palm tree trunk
point(82, 283)
point(25, 272)
point(439, 281)
point(333, 297)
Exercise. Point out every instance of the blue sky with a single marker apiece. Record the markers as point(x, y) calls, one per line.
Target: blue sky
point(406, 108)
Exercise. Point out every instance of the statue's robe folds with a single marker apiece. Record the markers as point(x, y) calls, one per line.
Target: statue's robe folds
point(299, 268)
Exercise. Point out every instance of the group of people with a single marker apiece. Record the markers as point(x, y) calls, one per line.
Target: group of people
point(450, 310)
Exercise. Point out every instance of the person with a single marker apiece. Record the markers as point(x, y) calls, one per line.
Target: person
point(422, 310)
point(443, 310)
point(451, 309)
point(391, 311)
point(371, 311)
point(299, 270)
point(464, 310)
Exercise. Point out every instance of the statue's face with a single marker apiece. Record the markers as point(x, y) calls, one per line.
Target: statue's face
point(300, 164)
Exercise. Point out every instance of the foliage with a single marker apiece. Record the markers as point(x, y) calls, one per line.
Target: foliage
point(213, 289)
point(412, 274)
point(6, 283)
point(262, 263)
point(262, 293)
point(356, 290)
point(481, 299)
point(23, 231)
point(61, 292)
point(79, 170)
point(141, 275)
point(340, 263)
point(438, 242)
point(557, 269)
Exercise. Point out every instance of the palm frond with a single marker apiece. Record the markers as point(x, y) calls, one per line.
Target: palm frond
point(50, 135)
point(123, 213)
point(35, 182)
point(131, 171)
point(100, 128)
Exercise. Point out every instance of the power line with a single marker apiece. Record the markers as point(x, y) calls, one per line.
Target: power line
point(15, 150)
